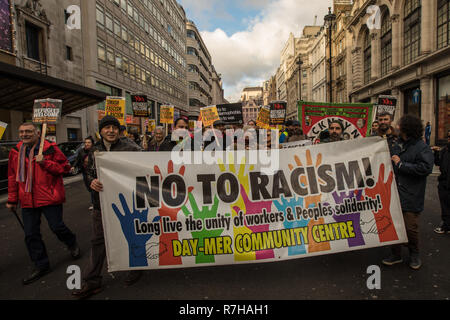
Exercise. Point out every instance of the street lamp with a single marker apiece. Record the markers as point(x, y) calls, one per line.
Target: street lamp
point(299, 63)
point(329, 19)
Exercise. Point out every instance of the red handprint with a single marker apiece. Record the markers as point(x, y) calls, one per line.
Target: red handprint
point(386, 229)
point(165, 239)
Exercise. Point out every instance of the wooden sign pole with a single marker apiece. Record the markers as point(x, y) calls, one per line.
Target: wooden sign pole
point(43, 133)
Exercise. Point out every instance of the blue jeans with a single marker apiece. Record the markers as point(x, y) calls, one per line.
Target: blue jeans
point(33, 239)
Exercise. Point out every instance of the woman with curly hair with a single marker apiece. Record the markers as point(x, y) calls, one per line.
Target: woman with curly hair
point(413, 161)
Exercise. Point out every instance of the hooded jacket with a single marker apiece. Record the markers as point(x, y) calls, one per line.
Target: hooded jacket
point(48, 185)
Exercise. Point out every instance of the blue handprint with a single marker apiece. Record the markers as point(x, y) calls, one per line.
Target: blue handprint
point(136, 242)
point(292, 203)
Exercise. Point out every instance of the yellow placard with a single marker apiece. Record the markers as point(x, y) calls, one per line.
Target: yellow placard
point(3, 126)
point(166, 114)
point(151, 125)
point(209, 115)
point(115, 106)
point(263, 119)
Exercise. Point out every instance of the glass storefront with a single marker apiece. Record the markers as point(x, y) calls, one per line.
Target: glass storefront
point(443, 108)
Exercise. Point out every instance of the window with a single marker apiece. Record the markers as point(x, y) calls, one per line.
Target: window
point(443, 28)
point(125, 65)
point(109, 23)
point(110, 57)
point(191, 51)
point(69, 53)
point(367, 57)
point(119, 60)
point(191, 34)
point(411, 22)
point(124, 34)
point(100, 16)
point(386, 43)
point(101, 52)
point(117, 29)
point(33, 40)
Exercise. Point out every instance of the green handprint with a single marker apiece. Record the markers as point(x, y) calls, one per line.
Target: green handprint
point(205, 213)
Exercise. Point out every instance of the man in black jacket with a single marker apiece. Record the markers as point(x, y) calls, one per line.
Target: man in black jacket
point(413, 162)
point(442, 159)
point(81, 164)
point(110, 141)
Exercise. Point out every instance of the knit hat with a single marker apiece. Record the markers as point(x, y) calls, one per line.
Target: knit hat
point(108, 120)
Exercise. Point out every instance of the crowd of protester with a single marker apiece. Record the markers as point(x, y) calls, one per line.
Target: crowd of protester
point(412, 160)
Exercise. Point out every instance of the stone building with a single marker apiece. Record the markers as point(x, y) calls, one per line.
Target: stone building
point(48, 59)
point(319, 67)
point(407, 55)
point(204, 83)
point(252, 100)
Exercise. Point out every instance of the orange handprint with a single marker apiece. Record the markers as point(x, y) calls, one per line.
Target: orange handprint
point(386, 229)
point(165, 239)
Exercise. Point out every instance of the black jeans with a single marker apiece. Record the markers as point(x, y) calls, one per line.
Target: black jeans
point(33, 239)
point(445, 206)
point(93, 273)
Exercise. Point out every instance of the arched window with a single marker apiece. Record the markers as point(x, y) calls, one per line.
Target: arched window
point(367, 57)
point(386, 43)
point(443, 23)
point(411, 23)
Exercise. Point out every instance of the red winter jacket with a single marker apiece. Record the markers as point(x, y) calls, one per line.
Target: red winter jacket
point(48, 185)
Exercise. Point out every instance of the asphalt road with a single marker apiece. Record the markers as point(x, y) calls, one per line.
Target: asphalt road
point(336, 276)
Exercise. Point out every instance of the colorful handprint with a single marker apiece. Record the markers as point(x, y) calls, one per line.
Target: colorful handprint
point(136, 242)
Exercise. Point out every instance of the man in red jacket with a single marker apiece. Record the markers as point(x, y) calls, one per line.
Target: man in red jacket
point(37, 183)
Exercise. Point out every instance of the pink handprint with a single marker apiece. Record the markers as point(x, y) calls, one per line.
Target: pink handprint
point(252, 207)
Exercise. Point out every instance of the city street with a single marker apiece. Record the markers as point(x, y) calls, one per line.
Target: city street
point(336, 276)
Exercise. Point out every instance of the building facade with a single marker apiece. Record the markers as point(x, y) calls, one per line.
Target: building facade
point(408, 56)
point(41, 43)
point(252, 100)
point(136, 46)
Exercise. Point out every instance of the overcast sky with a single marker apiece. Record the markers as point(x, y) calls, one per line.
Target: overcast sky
point(245, 37)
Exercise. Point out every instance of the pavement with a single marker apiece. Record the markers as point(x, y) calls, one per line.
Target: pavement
point(331, 277)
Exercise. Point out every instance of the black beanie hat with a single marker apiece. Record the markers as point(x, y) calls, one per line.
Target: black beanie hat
point(108, 120)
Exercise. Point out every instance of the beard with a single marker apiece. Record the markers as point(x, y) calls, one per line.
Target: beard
point(383, 128)
point(335, 137)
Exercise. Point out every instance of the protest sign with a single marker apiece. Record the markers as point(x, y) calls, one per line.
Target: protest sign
point(230, 113)
point(151, 125)
point(277, 113)
point(322, 199)
point(47, 111)
point(3, 126)
point(386, 104)
point(166, 114)
point(140, 105)
point(315, 117)
point(263, 119)
point(209, 115)
point(115, 106)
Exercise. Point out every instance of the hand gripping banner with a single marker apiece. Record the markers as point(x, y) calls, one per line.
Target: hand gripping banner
point(317, 200)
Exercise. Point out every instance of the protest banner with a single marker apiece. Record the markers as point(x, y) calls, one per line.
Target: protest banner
point(3, 126)
point(209, 115)
point(386, 104)
point(322, 199)
point(115, 106)
point(46, 111)
point(315, 117)
point(230, 113)
point(263, 119)
point(277, 113)
point(140, 105)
